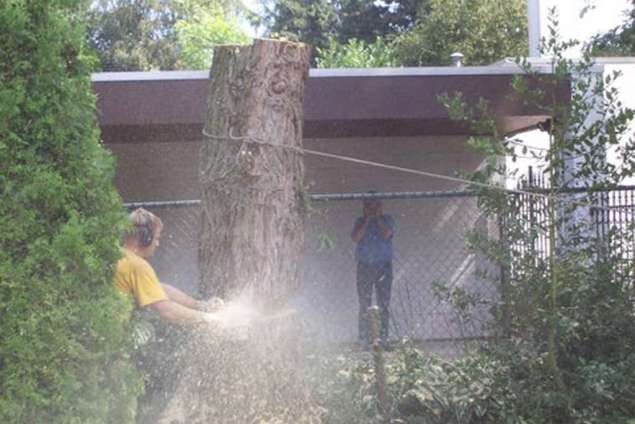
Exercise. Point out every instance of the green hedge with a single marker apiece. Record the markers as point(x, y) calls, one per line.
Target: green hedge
point(63, 329)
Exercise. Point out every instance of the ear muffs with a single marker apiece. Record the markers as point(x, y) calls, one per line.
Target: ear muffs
point(146, 235)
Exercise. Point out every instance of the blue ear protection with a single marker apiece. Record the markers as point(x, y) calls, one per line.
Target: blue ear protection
point(146, 236)
point(145, 231)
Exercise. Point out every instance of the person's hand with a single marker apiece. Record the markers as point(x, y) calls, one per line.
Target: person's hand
point(213, 304)
point(210, 318)
point(367, 213)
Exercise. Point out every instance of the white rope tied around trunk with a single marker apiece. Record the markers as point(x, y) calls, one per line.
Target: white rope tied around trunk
point(253, 140)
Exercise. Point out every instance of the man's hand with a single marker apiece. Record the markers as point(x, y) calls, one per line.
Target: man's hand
point(210, 318)
point(213, 304)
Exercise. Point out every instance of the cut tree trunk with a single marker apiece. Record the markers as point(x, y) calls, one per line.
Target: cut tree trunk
point(251, 243)
point(252, 172)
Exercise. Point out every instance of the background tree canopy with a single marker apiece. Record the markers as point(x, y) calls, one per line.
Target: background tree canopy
point(619, 41)
point(485, 31)
point(415, 32)
point(318, 21)
point(131, 35)
point(141, 35)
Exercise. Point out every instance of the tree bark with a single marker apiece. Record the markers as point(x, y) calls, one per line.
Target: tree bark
point(252, 232)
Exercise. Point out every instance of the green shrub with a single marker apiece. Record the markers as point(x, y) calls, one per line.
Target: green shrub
point(356, 54)
point(63, 329)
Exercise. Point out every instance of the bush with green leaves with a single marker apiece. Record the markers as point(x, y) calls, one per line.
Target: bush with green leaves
point(485, 31)
point(356, 54)
point(565, 319)
point(63, 328)
point(563, 327)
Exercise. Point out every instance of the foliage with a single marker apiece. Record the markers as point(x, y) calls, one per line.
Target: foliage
point(355, 54)
point(484, 31)
point(506, 383)
point(134, 35)
point(564, 325)
point(206, 27)
point(142, 35)
point(309, 21)
point(319, 22)
point(619, 41)
point(566, 321)
point(64, 329)
point(366, 21)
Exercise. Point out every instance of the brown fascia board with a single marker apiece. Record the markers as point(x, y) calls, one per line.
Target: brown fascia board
point(170, 106)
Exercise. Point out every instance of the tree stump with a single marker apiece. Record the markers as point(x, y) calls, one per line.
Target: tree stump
point(252, 172)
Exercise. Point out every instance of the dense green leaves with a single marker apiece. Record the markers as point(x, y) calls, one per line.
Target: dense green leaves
point(319, 22)
point(309, 21)
point(133, 35)
point(205, 27)
point(143, 35)
point(619, 41)
point(484, 31)
point(566, 316)
point(63, 332)
point(352, 33)
point(356, 54)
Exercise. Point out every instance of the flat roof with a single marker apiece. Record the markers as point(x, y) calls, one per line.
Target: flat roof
point(338, 103)
point(497, 69)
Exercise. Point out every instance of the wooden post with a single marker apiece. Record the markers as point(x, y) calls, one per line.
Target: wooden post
point(379, 363)
point(252, 172)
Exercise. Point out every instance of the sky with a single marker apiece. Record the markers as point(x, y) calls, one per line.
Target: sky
point(603, 16)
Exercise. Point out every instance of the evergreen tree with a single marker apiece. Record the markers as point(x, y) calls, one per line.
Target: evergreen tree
point(63, 328)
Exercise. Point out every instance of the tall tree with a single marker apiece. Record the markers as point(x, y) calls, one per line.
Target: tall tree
point(310, 21)
point(483, 30)
point(140, 35)
point(205, 25)
point(619, 41)
point(63, 328)
point(315, 22)
point(366, 20)
point(134, 35)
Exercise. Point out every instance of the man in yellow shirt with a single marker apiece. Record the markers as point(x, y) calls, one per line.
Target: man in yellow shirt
point(134, 276)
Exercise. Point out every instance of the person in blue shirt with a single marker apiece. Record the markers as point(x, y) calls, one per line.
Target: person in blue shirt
point(373, 233)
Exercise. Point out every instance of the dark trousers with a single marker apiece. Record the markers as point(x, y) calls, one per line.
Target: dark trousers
point(376, 275)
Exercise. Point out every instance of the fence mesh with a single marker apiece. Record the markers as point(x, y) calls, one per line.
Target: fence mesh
point(436, 276)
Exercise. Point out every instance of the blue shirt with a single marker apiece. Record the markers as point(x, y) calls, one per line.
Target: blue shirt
point(373, 247)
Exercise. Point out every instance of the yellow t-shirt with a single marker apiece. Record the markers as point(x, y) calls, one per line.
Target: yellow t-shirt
point(134, 276)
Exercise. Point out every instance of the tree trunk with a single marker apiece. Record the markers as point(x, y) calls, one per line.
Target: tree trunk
point(252, 235)
point(251, 243)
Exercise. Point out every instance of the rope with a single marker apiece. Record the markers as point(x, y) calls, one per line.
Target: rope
point(253, 140)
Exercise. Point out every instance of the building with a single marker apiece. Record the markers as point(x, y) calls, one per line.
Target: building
point(153, 122)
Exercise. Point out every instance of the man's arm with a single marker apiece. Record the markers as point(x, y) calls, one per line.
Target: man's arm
point(385, 226)
point(174, 312)
point(360, 229)
point(180, 297)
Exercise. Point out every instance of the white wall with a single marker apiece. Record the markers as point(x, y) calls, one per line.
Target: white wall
point(603, 16)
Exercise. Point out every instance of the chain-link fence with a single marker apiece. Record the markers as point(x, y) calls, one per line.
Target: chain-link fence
point(438, 281)
point(430, 259)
